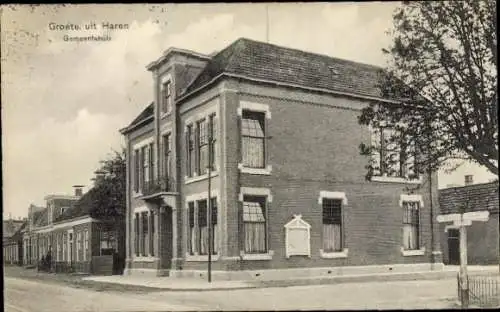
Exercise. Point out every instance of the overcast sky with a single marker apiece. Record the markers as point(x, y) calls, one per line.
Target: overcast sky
point(64, 102)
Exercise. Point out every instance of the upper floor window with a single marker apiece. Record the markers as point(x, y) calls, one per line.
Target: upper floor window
point(212, 135)
point(393, 155)
point(190, 151)
point(167, 152)
point(166, 97)
point(144, 164)
point(202, 145)
point(253, 139)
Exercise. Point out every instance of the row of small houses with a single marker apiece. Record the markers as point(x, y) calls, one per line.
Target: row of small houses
point(70, 233)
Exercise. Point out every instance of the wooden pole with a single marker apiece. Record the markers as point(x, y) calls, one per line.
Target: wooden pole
point(464, 281)
point(209, 201)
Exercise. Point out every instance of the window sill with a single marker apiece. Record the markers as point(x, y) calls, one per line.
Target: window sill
point(410, 253)
point(145, 259)
point(334, 254)
point(200, 258)
point(136, 195)
point(261, 171)
point(189, 180)
point(396, 180)
point(164, 115)
point(259, 256)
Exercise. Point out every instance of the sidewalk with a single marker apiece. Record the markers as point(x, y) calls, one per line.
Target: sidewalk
point(191, 284)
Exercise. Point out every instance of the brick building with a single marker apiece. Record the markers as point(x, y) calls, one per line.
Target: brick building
point(288, 188)
point(482, 237)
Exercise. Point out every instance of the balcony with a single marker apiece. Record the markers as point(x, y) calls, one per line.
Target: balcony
point(157, 188)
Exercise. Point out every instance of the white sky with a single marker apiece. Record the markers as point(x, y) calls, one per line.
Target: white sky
point(63, 102)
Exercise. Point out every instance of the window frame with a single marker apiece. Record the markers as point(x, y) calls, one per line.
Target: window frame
point(166, 96)
point(335, 195)
point(262, 108)
point(378, 156)
point(256, 192)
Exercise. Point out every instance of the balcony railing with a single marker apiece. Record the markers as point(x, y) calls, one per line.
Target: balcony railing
point(163, 184)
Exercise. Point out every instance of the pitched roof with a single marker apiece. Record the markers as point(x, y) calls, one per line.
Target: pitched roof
point(474, 197)
point(264, 61)
point(10, 227)
point(144, 115)
point(251, 59)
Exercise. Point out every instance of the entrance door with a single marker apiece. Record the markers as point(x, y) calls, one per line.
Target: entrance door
point(167, 238)
point(453, 246)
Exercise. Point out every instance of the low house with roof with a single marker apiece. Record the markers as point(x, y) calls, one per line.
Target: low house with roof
point(482, 237)
point(38, 236)
point(82, 234)
point(12, 242)
point(278, 128)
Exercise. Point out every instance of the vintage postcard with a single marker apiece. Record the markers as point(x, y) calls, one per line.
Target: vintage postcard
point(250, 156)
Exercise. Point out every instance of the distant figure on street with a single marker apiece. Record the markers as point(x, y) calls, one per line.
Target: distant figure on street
point(48, 260)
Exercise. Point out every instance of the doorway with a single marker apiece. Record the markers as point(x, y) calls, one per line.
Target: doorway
point(453, 247)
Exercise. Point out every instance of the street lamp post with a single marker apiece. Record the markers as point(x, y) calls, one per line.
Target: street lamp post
point(209, 167)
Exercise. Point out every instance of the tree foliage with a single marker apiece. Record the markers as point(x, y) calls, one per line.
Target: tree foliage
point(443, 76)
point(108, 193)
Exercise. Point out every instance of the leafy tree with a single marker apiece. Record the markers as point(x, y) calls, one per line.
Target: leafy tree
point(110, 187)
point(442, 74)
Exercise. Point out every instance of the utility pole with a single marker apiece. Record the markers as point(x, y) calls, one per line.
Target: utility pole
point(461, 221)
point(209, 167)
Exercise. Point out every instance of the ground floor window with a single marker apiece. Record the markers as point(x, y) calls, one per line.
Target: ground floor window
point(332, 225)
point(411, 225)
point(254, 224)
point(144, 234)
point(198, 218)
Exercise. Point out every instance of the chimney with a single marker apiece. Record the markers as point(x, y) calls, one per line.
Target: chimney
point(78, 190)
point(468, 179)
point(99, 176)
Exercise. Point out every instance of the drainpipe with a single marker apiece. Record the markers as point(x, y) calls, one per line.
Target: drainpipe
point(431, 206)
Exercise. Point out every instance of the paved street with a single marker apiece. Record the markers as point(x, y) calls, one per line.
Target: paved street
point(30, 296)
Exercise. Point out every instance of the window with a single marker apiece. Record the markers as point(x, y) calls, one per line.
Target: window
point(253, 139)
point(411, 225)
point(202, 227)
point(64, 244)
point(167, 166)
point(151, 234)
point(198, 238)
point(202, 144)
point(137, 166)
point(393, 155)
point(332, 225)
point(214, 238)
point(86, 245)
point(144, 241)
point(166, 92)
point(191, 155)
point(78, 245)
point(212, 128)
point(145, 165)
point(254, 224)
point(191, 233)
point(151, 159)
point(137, 234)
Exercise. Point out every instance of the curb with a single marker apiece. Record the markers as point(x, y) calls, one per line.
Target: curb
point(310, 281)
